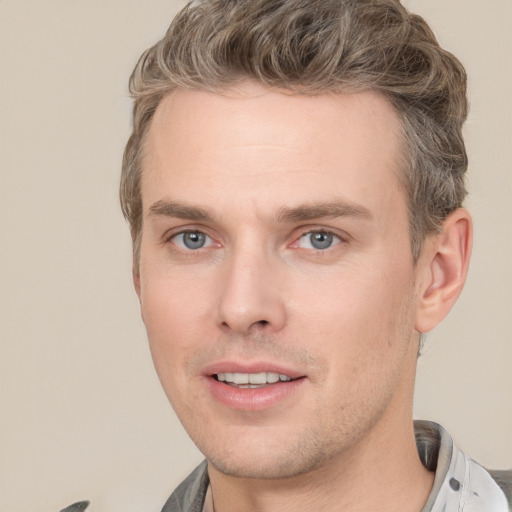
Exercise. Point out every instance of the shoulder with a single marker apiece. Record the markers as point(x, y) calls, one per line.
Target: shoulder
point(189, 495)
point(460, 483)
point(503, 477)
point(79, 506)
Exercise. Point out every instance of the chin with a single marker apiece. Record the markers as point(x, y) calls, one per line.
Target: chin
point(263, 469)
point(267, 458)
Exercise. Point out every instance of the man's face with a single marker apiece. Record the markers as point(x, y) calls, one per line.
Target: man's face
point(276, 279)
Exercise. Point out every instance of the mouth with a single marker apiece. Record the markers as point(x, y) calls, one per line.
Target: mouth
point(253, 387)
point(251, 380)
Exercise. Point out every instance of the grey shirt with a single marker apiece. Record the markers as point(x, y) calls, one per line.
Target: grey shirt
point(460, 484)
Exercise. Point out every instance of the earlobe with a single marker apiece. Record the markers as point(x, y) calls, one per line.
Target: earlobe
point(446, 264)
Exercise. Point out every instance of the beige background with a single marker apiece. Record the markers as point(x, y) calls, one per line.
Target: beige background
point(81, 412)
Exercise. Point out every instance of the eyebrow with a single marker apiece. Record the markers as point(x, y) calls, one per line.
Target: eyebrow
point(180, 211)
point(313, 211)
point(301, 213)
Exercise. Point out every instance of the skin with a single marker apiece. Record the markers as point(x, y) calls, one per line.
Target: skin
point(256, 172)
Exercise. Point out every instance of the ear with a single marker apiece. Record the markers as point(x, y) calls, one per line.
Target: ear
point(444, 267)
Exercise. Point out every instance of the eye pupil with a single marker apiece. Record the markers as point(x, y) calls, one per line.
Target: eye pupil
point(194, 239)
point(321, 239)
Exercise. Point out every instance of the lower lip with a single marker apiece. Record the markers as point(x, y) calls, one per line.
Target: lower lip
point(253, 399)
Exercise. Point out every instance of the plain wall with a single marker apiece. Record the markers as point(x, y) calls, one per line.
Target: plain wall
point(82, 415)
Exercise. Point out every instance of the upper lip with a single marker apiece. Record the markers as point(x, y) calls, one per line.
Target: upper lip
point(251, 367)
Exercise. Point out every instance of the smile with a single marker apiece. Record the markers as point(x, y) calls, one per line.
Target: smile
point(251, 380)
point(256, 386)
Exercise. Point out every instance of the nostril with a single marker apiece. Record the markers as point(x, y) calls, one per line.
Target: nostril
point(253, 327)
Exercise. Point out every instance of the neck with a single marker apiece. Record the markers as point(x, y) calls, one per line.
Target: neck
point(383, 472)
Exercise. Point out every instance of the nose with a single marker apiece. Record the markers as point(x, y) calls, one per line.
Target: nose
point(250, 297)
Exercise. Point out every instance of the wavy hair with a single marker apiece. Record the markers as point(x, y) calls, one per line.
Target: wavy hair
point(313, 47)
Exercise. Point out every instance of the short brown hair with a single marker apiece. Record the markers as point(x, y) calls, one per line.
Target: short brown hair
point(315, 47)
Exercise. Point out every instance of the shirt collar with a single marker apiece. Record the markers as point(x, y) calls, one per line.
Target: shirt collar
point(460, 484)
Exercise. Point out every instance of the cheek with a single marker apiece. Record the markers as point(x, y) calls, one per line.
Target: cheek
point(353, 311)
point(358, 331)
point(171, 316)
point(172, 301)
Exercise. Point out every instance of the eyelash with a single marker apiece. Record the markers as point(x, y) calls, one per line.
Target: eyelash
point(169, 239)
point(335, 240)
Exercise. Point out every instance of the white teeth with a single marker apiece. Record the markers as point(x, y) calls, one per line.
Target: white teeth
point(241, 378)
point(272, 377)
point(257, 378)
point(252, 378)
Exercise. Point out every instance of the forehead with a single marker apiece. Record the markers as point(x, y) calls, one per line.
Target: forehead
point(252, 141)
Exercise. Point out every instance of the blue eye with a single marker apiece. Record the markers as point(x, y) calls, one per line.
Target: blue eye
point(192, 240)
point(319, 240)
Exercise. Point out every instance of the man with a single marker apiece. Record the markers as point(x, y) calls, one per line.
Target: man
point(294, 185)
